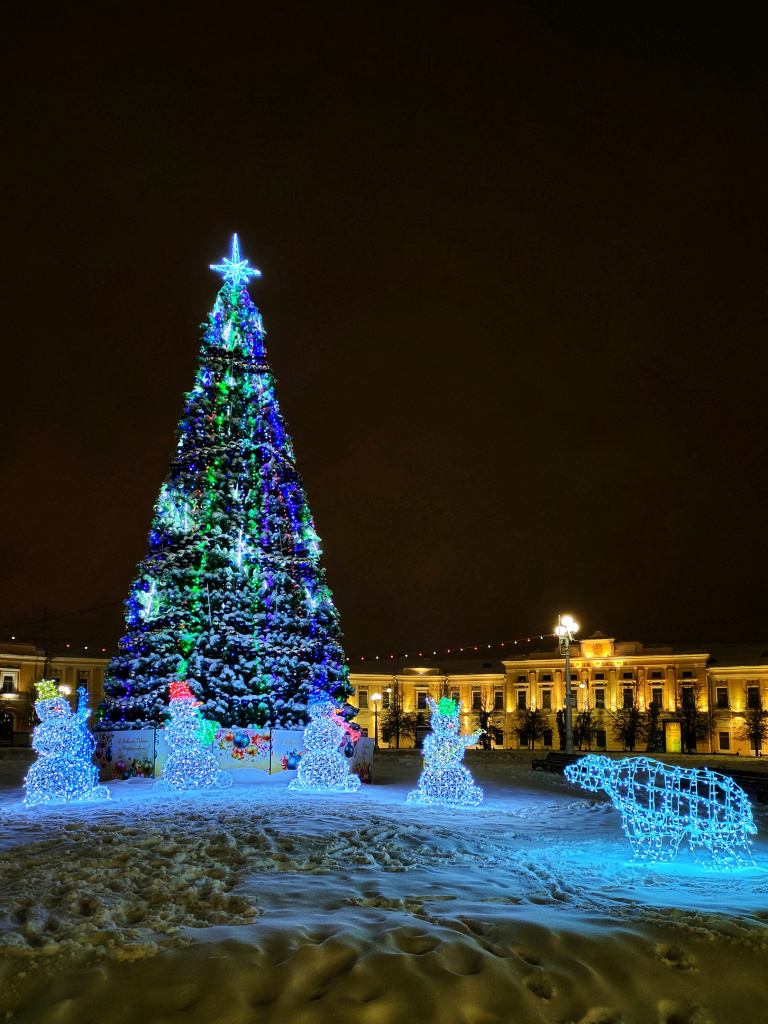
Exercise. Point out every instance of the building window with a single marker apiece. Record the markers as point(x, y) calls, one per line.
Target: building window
point(421, 700)
point(455, 696)
point(722, 697)
point(656, 697)
point(600, 699)
point(656, 675)
point(546, 700)
point(498, 737)
point(599, 675)
point(386, 698)
point(724, 740)
point(629, 697)
point(521, 703)
point(362, 699)
point(626, 675)
point(9, 683)
point(522, 738)
point(574, 677)
point(753, 696)
point(498, 700)
point(477, 700)
point(547, 677)
point(522, 679)
point(83, 681)
point(688, 697)
point(601, 738)
point(385, 734)
point(547, 737)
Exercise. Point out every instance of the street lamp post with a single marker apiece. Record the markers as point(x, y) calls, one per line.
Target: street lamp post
point(564, 632)
point(375, 697)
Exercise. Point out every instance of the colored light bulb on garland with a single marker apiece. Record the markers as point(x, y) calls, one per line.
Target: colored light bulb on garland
point(189, 766)
point(64, 771)
point(444, 779)
point(323, 767)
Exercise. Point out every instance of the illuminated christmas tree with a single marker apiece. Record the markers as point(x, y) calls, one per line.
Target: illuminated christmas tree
point(231, 595)
point(64, 771)
point(324, 766)
point(191, 764)
point(444, 779)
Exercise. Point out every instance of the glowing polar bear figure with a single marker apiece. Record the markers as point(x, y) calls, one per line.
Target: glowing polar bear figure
point(444, 780)
point(661, 804)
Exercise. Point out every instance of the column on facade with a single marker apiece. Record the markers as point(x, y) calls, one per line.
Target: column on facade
point(613, 695)
point(559, 689)
point(671, 688)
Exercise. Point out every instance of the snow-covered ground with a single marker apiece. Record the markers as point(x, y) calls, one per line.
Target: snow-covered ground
point(260, 905)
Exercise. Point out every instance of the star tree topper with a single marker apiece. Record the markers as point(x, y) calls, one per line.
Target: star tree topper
point(234, 269)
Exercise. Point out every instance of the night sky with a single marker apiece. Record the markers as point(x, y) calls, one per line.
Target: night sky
point(514, 283)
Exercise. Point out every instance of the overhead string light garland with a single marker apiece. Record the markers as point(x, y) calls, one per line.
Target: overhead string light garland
point(661, 804)
point(64, 771)
point(444, 779)
point(469, 649)
point(231, 595)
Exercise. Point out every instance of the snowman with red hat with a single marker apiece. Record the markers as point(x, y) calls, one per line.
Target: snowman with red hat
point(189, 766)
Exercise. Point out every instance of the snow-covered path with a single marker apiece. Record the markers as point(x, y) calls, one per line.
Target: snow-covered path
point(261, 905)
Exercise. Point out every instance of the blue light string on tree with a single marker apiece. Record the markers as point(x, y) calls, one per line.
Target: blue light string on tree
point(323, 767)
point(190, 765)
point(64, 771)
point(445, 780)
point(660, 805)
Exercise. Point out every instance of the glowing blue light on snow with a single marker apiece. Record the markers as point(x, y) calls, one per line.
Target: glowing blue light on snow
point(189, 765)
point(64, 771)
point(324, 766)
point(661, 804)
point(234, 269)
point(444, 779)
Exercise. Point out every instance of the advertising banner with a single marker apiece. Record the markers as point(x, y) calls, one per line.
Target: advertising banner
point(242, 748)
point(141, 753)
point(287, 748)
point(125, 755)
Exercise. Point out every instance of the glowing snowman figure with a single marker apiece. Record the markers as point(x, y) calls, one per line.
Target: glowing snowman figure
point(444, 779)
point(324, 766)
point(189, 766)
point(64, 771)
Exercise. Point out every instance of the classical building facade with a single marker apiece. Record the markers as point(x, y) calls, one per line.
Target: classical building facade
point(707, 689)
point(24, 665)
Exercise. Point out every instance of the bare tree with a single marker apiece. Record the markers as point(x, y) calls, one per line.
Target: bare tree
point(485, 714)
point(754, 724)
point(584, 729)
point(627, 720)
point(531, 722)
point(396, 720)
point(650, 729)
point(695, 722)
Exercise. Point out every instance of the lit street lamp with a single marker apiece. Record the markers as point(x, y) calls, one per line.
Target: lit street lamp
point(375, 697)
point(564, 632)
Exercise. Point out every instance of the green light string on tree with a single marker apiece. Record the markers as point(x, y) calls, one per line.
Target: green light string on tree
point(231, 595)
